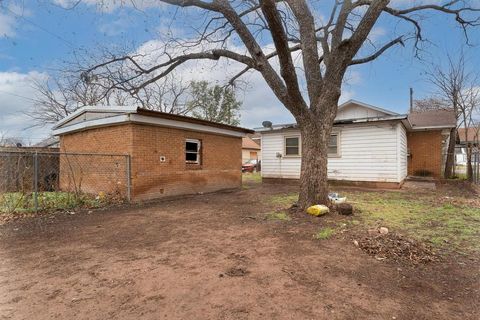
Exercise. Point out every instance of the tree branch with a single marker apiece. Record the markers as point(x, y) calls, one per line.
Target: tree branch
point(287, 68)
point(378, 53)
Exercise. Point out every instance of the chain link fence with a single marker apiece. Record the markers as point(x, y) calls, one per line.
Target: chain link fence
point(38, 180)
point(461, 166)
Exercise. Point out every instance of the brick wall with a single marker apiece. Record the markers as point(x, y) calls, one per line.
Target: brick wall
point(425, 148)
point(220, 166)
point(113, 139)
point(96, 173)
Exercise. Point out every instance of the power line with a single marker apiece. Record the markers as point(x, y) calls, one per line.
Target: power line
point(17, 95)
point(40, 27)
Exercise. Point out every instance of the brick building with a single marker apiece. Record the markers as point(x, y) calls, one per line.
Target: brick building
point(427, 142)
point(169, 154)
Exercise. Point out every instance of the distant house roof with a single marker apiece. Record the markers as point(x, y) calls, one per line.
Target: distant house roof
point(255, 135)
point(468, 135)
point(93, 116)
point(248, 143)
point(432, 119)
point(50, 142)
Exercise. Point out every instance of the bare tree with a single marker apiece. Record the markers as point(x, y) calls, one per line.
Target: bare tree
point(63, 94)
point(431, 103)
point(170, 96)
point(457, 90)
point(236, 31)
point(469, 104)
point(10, 141)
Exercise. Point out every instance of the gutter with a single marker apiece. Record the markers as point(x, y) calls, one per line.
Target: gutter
point(433, 127)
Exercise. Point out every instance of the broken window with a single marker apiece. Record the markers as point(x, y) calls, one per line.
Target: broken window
point(192, 151)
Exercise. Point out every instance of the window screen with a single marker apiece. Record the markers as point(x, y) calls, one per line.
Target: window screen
point(292, 146)
point(333, 144)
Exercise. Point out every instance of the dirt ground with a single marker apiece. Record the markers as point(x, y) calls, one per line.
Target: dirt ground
point(215, 257)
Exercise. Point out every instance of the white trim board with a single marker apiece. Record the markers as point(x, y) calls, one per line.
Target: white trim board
point(135, 118)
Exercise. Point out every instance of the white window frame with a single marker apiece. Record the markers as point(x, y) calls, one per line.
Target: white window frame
point(198, 153)
point(299, 146)
point(337, 154)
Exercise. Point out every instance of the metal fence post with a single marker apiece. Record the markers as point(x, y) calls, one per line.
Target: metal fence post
point(129, 187)
point(35, 179)
point(474, 168)
point(477, 159)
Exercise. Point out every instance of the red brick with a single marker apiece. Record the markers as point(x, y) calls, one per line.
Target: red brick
point(220, 166)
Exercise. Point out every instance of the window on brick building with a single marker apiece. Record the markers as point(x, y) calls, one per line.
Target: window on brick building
point(192, 151)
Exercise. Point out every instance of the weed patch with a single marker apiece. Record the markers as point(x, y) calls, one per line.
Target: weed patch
point(283, 216)
point(422, 216)
point(17, 202)
point(254, 177)
point(323, 234)
point(284, 200)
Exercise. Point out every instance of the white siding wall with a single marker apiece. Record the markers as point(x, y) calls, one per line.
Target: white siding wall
point(402, 152)
point(357, 112)
point(367, 153)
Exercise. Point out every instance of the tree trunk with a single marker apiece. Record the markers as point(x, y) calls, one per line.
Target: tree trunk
point(450, 160)
point(313, 176)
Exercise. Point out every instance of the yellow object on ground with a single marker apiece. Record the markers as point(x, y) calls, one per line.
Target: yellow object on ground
point(318, 210)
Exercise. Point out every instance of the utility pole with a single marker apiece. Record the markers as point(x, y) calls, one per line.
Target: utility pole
point(411, 100)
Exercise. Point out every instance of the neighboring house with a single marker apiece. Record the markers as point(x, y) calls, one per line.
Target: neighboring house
point(256, 137)
point(250, 150)
point(428, 142)
point(50, 142)
point(370, 146)
point(465, 137)
point(170, 154)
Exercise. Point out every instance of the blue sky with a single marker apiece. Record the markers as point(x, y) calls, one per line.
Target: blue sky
point(38, 36)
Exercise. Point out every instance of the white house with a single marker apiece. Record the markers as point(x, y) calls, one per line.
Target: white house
point(368, 145)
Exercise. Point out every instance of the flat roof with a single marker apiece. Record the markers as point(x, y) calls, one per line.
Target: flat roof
point(163, 115)
point(107, 116)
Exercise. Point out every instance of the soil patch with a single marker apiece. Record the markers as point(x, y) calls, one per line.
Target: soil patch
point(221, 260)
point(237, 272)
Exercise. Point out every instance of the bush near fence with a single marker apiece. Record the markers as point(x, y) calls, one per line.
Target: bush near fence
point(17, 171)
point(52, 180)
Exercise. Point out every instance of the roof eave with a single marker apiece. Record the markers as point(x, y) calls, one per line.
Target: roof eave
point(400, 117)
point(94, 109)
point(420, 128)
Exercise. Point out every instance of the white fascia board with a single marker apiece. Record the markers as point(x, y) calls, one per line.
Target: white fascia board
point(337, 123)
point(95, 109)
point(91, 124)
point(136, 118)
point(276, 127)
point(432, 127)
